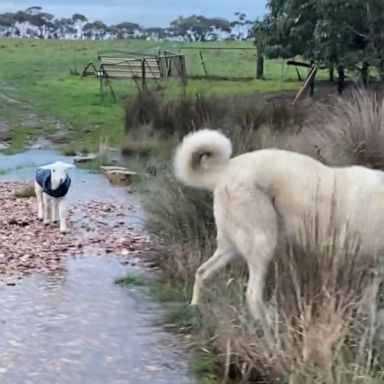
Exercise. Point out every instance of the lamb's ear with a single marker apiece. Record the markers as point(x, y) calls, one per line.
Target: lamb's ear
point(69, 166)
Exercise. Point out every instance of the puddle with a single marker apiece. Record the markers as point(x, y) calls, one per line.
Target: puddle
point(78, 326)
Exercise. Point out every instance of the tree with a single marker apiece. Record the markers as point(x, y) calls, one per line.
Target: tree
point(21, 23)
point(78, 22)
point(6, 24)
point(343, 34)
point(242, 27)
point(96, 30)
point(291, 24)
point(199, 28)
point(62, 27)
point(43, 22)
point(125, 29)
point(156, 33)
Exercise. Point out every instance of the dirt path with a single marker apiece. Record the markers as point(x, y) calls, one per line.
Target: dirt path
point(71, 323)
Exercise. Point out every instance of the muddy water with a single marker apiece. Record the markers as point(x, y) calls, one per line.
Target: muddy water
point(80, 327)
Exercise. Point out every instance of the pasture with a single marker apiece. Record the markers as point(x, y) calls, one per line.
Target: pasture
point(37, 74)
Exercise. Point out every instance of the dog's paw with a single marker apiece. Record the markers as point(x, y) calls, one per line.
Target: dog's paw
point(64, 230)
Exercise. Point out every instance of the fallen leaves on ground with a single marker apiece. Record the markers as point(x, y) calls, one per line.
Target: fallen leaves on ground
point(27, 245)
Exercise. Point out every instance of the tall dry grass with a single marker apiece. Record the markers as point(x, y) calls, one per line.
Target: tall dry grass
point(327, 321)
point(177, 117)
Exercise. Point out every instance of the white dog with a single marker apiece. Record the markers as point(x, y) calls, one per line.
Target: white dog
point(258, 195)
point(52, 183)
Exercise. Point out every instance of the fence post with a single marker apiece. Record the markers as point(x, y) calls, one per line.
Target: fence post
point(183, 70)
point(340, 80)
point(143, 82)
point(312, 82)
point(203, 63)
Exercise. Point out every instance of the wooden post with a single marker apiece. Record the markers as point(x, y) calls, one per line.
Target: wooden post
point(307, 83)
point(101, 75)
point(203, 63)
point(259, 64)
point(331, 73)
point(365, 73)
point(298, 73)
point(143, 82)
point(183, 68)
point(312, 82)
point(340, 80)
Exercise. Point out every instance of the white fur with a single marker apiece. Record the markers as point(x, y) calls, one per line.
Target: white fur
point(214, 151)
point(261, 195)
point(51, 208)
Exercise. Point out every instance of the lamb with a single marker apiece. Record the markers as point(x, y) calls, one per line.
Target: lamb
point(52, 184)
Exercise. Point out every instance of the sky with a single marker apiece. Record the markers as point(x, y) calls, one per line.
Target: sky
point(144, 12)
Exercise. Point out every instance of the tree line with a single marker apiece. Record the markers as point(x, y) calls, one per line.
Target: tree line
point(344, 34)
point(34, 22)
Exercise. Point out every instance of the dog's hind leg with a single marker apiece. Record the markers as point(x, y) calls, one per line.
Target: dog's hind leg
point(222, 256)
point(255, 230)
point(255, 287)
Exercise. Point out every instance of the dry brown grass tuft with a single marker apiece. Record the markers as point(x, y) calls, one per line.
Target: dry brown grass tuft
point(325, 321)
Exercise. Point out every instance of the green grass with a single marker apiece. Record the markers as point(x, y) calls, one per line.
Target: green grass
point(204, 369)
point(173, 298)
point(37, 74)
point(4, 171)
point(132, 280)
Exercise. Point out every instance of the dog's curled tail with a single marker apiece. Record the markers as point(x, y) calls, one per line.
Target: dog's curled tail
point(201, 158)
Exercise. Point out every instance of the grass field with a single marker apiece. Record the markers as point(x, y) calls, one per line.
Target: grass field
point(37, 73)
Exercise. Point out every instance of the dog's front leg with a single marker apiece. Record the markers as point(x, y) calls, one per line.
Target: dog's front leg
point(62, 216)
point(220, 259)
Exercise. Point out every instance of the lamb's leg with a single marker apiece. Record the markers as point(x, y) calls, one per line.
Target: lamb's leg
point(46, 206)
point(62, 216)
point(220, 259)
point(54, 210)
point(39, 197)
